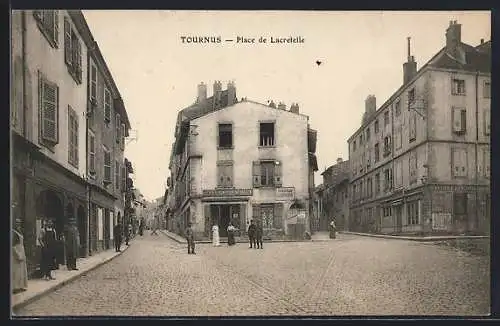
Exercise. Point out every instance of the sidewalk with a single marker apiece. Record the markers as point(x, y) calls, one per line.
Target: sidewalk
point(40, 287)
point(418, 238)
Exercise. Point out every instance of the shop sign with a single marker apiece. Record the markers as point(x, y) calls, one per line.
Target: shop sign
point(285, 193)
point(227, 192)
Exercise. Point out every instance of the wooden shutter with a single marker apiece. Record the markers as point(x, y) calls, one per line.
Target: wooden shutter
point(487, 163)
point(256, 174)
point(487, 122)
point(107, 105)
point(124, 178)
point(278, 179)
point(91, 153)
point(278, 216)
point(70, 135)
point(49, 105)
point(122, 141)
point(117, 175)
point(118, 127)
point(67, 42)
point(107, 165)
point(93, 82)
point(78, 63)
point(55, 14)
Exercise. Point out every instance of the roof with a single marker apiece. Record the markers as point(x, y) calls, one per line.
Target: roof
point(477, 59)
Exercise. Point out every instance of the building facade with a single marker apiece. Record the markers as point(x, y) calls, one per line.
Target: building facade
point(333, 196)
point(236, 161)
point(49, 52)
point(421, 162)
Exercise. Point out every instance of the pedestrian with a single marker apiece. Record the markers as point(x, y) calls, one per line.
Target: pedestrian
point(19, 267)
point(333, 229)
point(215, 235)
point(48, 243)
point(230, 234)
point(258, 235)
point(128, 231)
point(251, 233)
point(72, 245)
point(141, 227)
point(190, 239)
point(117, 232)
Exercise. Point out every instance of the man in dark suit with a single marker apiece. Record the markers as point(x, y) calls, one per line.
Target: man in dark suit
point(190, 239)
point(251, 233)
point(258, 234)
point(117, 232)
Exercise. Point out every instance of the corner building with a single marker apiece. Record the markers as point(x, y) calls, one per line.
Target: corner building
point(421, 162)
point(237, 161)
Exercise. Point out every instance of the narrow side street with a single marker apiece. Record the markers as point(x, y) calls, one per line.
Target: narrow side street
point(351, 275)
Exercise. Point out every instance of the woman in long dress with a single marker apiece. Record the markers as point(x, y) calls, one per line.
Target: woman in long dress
point(19, 268)
point(48, 242)
point(215, 235)
point(230, 234)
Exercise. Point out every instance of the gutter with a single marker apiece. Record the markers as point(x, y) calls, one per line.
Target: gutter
point(476, 151)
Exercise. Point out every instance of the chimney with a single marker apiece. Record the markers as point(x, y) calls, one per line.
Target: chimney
point(216, 99)
point(370, 105)
point(482, 41)
point(202, 93)
point(294, 108)
point(409, 67)
point(272, 104)
point(453, 38)
point(281, 106)
point(339, 160)
point(231, 93)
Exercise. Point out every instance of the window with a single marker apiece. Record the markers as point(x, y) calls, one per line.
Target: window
point(375, 126)
point(459, 159)
point(369, 188)
point(93, 82)
point(267, 173)
point(377, 183)
point(487, 122)
point(460, 204)
point(377, 153)
point(107, 166)
point(270, 214)
point(107, 105)
point(387, 211)
point(387, 145)
point(267, 134)
point(225, 135)
point(368, 134)
point(118, 128)
point(92, 154)
point(413, 213)
point(124, 177)
point(354, 146)
point(49, 112)
point(72, 52)
point(122, 141)
point(397, 108)
point(361, 189)
point(398, 171)
point(412, 127)
point(459, 120)
point(117, 175)
point(411, 96)
point(487, 163)
point(413, 167)
point(48, 23)
point(399, 137)
point(487, 89)
point(362, 163)
point(388, 179)
point(361, 139)
point(386, 118)
point(457, 86)
point(368, 158)
point(225, 174)
point(72, 137)
point(354, 192)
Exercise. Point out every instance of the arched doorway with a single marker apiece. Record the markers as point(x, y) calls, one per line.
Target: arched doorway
point(81, 220)
point(49, 206)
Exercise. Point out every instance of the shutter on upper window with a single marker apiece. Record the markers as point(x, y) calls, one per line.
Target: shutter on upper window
point(55, 14)
point(256, 174)
point(67, 42)
point(278, 174)
point(487, 122)
point(124, 178)
point(122, 141)
point(49, 106)
point(487, 162)
point(78, 62)
point(92, 153)
point(118, 127)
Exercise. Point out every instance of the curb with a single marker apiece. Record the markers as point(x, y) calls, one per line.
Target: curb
point(418, 239)
point(63, 283)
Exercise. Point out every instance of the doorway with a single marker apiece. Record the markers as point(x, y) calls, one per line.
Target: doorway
point(81, 218)
point(399, 218)
point(222, 215)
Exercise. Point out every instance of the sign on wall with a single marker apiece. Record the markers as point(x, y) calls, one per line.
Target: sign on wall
point(285, 193)
point(227, 192)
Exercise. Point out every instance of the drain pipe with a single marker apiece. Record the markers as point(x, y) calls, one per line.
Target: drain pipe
point(476, 222)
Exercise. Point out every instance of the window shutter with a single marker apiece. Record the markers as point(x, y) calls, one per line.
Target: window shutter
point(256, 174)
point(124, 178)
point(49, 104)
point(92, 153)
point(107, 105)
point(117, 175)
point(463, 119)
point(70, 136)
point(122, 142)
point(67, 42)
point(457, 123)
point(487, 122)
point(487, 163)
point(75, 141)
point(78, 61)
point(278, 174)
point(55, 14)
point(278, 216)
point(93, 82)
point(118, 127)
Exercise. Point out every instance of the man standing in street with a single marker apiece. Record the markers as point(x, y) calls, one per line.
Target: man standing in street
point(128, 231)
point(190, 239)
point(258, 235)
point(251, 233)
point(72, 247)
point(117, 232)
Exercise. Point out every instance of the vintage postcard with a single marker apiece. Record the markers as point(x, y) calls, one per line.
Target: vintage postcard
point(250, 163)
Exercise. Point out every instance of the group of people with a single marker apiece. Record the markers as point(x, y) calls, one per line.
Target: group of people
point(254, 234)
point(119, 232)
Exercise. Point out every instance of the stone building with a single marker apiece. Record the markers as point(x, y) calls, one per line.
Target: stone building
point(421, 162)
point(237, 161)
point(50, 53)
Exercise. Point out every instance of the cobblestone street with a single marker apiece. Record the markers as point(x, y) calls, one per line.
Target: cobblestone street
point(351, 275)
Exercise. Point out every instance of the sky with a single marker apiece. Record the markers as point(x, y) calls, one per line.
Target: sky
point(361, 53)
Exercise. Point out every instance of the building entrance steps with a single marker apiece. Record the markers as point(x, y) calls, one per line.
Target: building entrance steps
point(39, 287)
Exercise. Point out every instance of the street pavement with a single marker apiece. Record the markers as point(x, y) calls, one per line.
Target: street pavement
point(351, 275)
